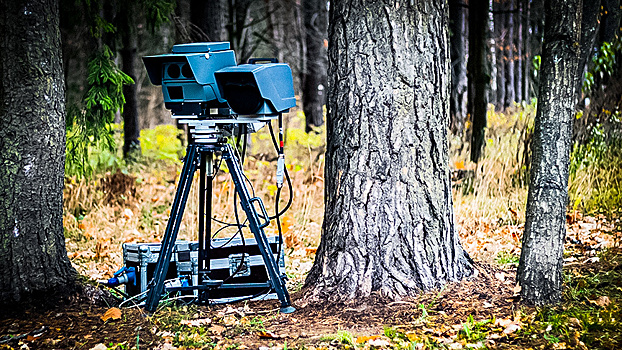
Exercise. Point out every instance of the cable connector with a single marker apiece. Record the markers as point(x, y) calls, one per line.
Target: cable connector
point(125, 275)
point(280, 170)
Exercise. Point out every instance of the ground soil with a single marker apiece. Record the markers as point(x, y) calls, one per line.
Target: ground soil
point(78, 323)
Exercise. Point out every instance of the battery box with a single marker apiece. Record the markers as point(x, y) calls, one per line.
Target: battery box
point(226, 256)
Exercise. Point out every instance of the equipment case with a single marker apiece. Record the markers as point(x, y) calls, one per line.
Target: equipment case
point(225, 257)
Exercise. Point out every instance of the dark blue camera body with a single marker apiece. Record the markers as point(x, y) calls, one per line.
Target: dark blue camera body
point(257, 89)
point(203, 79)
point(187, 76)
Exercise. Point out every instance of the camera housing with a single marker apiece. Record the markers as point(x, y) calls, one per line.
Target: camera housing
point(257, 89)
point(187, 76)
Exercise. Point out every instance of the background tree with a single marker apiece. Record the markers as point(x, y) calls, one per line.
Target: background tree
point(540, 268)
point(33, 259)
point(478, 73)
point(129, 54)
point(458, 32)
point(209, 17)
point(388, 223)
point(313, 80)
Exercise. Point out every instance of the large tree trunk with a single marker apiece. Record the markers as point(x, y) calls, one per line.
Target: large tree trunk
point(457, 28)
point(131, 129)
point(388, 225)
point(33, 259)
point(478, 73)
point(314, 72)
point(540, 267)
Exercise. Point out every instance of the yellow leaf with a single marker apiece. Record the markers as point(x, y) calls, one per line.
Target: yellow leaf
point(366, 338)
point(113, 313)
point(459, 165)
point(267, 335)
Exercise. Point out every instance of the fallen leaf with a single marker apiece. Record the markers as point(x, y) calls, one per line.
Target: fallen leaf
point(500, 276)
point(267, 335)
point(99, 346)
point(230, 320)
point(574, 322)
point(113, 313)
point(517, 289)
point(602, 301)
point(379, 343)
point(365, 338)
point(196, 323)
point(217, 329)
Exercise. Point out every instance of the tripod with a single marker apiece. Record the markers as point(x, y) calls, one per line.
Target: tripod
point(200, 155)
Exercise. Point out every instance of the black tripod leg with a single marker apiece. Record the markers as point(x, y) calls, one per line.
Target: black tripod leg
point(205, 219)
point(278, 284)
point(172, 228)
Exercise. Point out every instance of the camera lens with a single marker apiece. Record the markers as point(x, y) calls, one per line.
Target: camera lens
point(173, 71)
point(186, 71)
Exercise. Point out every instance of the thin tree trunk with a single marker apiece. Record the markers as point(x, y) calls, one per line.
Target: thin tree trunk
point(314, 73)
point(457, 30)
point(388, 225)
point(131, 128)
point(518, 46)
point(33, 259)
point(500, 43)
point(610, 22)
point(540, 268)
point(526, 52)
point(209, 17)
point(478, 73)
point(510, 95)
point(589, 29)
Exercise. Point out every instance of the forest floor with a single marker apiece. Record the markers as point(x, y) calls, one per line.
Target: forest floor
point(482, 312)
point(132, 204)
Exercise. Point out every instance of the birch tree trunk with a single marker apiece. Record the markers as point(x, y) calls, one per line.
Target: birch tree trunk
point(540, 268)
point(388, 225)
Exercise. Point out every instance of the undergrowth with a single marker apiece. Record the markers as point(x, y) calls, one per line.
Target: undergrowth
point(595, 176)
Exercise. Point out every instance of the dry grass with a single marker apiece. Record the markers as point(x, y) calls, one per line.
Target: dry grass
point(488, 205)
point(99, 218)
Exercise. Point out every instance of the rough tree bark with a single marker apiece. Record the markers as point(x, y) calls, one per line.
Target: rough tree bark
point(388, 225)
point(314, 73)
point(479, 74)
point(540, 268)
point(457, 29)
point(33, 259)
